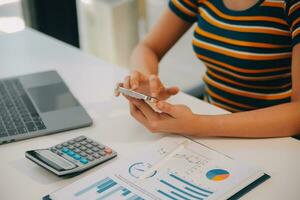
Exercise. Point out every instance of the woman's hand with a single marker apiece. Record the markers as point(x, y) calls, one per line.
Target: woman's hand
point(148, 85)
point(173, 119)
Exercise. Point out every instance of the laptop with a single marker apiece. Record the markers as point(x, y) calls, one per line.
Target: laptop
point(38, 104)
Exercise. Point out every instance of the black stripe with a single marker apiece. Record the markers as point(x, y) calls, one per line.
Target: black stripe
point(248, 89)
point(181, 14)
point(267, 83)
point(250, 49)
point(259, 103)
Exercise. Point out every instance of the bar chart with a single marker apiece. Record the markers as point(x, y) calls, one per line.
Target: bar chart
point(179, 188)
point(107, 189)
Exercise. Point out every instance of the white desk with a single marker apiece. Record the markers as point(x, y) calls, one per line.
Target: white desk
point(92, 81)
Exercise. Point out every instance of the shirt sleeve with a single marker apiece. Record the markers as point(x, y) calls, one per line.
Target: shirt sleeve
point(293, 17)
point(185, 9)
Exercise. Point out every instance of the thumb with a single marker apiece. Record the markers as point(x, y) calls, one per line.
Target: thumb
point(169, 109)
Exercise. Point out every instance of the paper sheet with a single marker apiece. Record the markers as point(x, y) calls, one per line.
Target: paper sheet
point(194, 172)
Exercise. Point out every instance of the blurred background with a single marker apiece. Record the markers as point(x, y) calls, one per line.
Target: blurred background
point(108, 29)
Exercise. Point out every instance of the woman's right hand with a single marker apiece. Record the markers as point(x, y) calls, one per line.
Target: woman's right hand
point(148, 85)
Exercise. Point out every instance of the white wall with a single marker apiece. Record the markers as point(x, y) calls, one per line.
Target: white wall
point(180, 66)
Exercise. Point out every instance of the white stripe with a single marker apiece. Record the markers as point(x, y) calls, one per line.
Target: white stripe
point(185, 8)
point(294, 32)
point(242, 26)
point(294, 5)
point(246, 92)
point(243, 52)
point(247, 77)
point(222, 105)
point(275, 1)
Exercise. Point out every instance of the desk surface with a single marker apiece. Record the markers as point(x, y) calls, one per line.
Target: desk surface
point(92, 81)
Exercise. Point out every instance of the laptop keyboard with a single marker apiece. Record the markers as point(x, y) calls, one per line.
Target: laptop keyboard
point(17, 113)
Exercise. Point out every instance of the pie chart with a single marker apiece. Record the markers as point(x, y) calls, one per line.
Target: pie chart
point(217, 174)
point(137, 169)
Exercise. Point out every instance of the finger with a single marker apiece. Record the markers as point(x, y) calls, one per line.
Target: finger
point(126, 83)
point(129, 98)
point(137, 114)
point(117, 93)
point(134, 79)
point(145, 109)
point(172, 90)
point(170, 109)
point(155, 85)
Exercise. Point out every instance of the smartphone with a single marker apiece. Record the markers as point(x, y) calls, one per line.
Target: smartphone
point(149, 100)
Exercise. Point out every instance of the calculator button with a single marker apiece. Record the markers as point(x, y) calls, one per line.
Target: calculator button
point(89, 140)
point(101, 147)
point(83, 148)
point(71, 142)
point(89, 151)
point(80, 138)
point(77, 145)
point(95, 143)
point(59, 153)
point(95, 149)
point(65, 144)
point(59, 146)
point(96, 155)
point(83, 143)
point(84, 161)
point(89, 146)
point(108, 150)
point(83, 154)
point(71, 153)
point(77, 150)
point(53, 149)
point(65, 150)
point(102, 153)
point(77, 157)
point(71, 147)
point(90, 158)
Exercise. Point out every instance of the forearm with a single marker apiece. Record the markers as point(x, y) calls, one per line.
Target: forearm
point(277, 121)
point(156, 44)
point(144, 60)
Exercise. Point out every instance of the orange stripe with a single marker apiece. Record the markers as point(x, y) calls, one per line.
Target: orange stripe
point(244, 29)
point(188, 2)
point(295, 22)
point(183, 9)
point(293, 9)
point(296, 33)
point(250, 71)
point(237, 83)
point(256, 18)
point(246, 94)
point(211, 93)
point(237, 54)
point(237, 42)
point(274, 4)
point(225, 107)
point(252, 78)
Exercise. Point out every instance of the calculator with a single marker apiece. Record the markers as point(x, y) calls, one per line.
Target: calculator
point(72, 157)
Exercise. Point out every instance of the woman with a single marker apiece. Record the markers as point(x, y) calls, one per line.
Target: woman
point(252, 53)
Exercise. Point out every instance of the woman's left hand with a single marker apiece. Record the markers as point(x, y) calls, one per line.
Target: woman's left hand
point(173, 119)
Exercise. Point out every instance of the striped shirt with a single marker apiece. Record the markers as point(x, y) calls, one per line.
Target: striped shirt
point(247, 53)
